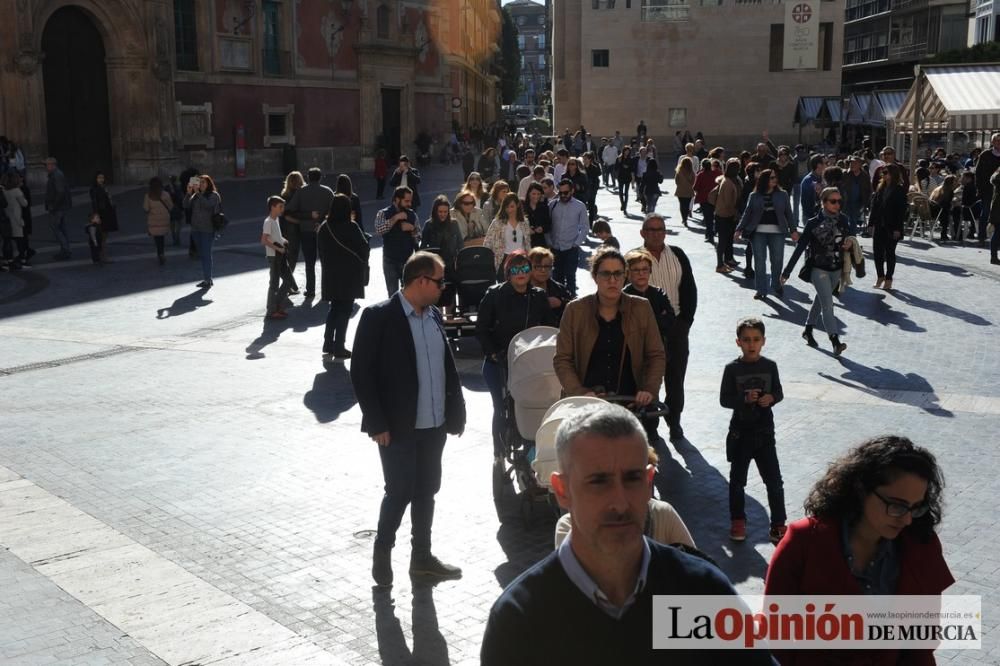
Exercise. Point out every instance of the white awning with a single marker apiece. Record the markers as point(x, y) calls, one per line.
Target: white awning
point(954, 98)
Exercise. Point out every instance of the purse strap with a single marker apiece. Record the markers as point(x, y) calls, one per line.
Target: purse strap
point(349, 250)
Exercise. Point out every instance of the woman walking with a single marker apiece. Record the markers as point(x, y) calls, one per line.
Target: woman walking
point(885, 223)
point(346, 187)
point(159, 209)
point(491, 208)
point(489, 166)
point(204, 203)
point(825, 239)
point(727, 203)
point(474, 184)
point(16, 204)
point(575, 175)
point(509, 232)
point(625, 168)
point(651, 185)
point(442, 236)
point(343, 254)
point(537, 211)
point(469, 218)
point(684, 186)
point(102, 204)
point(767, 221)
point(291, 229)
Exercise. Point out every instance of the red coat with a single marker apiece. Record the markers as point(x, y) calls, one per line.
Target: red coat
point(810, 560)
point(704, 183)
point(381, 167)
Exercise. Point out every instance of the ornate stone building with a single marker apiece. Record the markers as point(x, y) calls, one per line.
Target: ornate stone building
point(138, 88)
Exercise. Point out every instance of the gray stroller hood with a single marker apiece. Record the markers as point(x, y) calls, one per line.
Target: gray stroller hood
point(531, 379)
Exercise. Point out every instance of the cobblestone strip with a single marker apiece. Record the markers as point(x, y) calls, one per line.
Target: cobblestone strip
point(58, 362)
point(174, 614)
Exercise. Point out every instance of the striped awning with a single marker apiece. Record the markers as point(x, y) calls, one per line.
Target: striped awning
point(889, 102)
point(832, 109)
point(807, 110)
point(954, 98)
point(857, 108)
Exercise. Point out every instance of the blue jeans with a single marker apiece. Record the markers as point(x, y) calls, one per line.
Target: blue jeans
point(796, 198)
point(764, 245)
point(392, 270)
point(493, 376)
point(57, 221)
point(411, 467)
point(824, 282)
point(203, 240)
point(564, 269)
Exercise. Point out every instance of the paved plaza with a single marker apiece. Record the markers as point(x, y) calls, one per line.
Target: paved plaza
point(182, 482)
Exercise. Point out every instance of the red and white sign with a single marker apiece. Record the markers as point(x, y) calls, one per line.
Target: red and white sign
point(801, 47)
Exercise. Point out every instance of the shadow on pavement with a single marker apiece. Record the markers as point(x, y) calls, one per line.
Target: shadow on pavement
point(941, 308)
point(877, 309)
point(931, 266)
point(524, 545)
point(700, 494)
point(185, 304)
point(331, 394)
point(429, 645)
point(888, 384)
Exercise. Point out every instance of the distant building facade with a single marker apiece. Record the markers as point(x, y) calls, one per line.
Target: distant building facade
point(714, 66)
point(139, 88)
point(984, 22)
point(532, 21)
point(883, 39)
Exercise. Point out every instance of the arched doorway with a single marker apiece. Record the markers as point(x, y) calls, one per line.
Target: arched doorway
point(76, 95)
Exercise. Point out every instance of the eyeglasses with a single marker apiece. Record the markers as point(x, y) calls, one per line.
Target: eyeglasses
point(833, 201)
point(608, 276)
point(564, 193)
point(542, 267)
point(438, 281)
point(641, 270)
point(898, 509)
point(523, 269)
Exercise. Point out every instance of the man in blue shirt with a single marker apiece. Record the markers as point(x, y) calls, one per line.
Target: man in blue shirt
point(570, 225)
point(407, 386)
point(811, 186)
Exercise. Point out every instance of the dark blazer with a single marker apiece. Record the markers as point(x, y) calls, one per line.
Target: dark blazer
point(412, 182)
point(384, 373)
point(343, 254)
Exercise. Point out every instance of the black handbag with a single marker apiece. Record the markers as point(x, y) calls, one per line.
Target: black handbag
point(219, 222)
point(805, 273)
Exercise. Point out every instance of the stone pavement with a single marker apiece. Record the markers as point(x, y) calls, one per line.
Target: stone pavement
point(182, 482)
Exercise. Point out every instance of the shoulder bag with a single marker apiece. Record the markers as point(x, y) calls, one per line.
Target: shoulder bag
point(366, 269)
point(805, 273)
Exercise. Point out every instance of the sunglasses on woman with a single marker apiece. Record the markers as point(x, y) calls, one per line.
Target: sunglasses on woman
point(522, 269)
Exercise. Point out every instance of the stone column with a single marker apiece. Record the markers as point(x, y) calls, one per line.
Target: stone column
point(371, 116)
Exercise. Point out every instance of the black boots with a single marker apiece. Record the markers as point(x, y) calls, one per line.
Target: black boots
point(838, 346)
point(382, 566)
point(807, 335)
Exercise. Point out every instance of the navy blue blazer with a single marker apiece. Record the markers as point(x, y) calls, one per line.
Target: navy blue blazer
point(754, 211)
point(384, 373)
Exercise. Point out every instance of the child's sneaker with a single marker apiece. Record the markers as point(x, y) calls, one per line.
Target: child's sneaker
point(738, 530)
point(777, 533)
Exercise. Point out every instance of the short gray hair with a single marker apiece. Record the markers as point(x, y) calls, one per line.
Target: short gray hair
point(606, 420)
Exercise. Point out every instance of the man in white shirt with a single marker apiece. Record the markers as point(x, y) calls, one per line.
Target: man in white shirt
point(609, 154)
point(559, 169)
point(274, 244)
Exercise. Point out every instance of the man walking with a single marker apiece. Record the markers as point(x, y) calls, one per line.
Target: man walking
point(309, 207)
point(408, 388)
point(58, 201)
point(397, 225)
point(570, 225)
point(672, 273)
point(609, 155)
point(405, 176)
point(986, 166)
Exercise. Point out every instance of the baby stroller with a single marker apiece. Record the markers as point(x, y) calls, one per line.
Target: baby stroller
point(474, 274)
point(531, 388)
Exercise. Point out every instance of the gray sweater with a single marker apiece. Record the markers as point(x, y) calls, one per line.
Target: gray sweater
point(203, 207)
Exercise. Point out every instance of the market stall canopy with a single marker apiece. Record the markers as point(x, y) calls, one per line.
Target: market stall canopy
point(954, 98)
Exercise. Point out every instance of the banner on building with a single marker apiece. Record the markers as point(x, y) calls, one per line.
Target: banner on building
point(801, 48)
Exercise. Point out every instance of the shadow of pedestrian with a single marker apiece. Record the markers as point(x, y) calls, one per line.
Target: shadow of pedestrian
point(429, 645)
point(887, 384)
point(273, 328)
point(331, 394)
point(313, 312)
point(524, 546)
point(692, 484)
point(931, 266)
point(941, 308)
point(876, 308)
point(184, 305)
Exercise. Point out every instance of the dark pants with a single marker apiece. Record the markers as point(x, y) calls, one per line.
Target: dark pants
point(308, 242)
point(651, 200)
point(766, 457)
point(57, 221)
point(392, 270)
point(564, 268)
point(623, 187)
point(592, 207)
point(984, 217)
point(677, 362)
point(293, 241)
point(379, 187)
point(160, 245)
point(203, 241)
point(493, 376)
point(335, 334)
point(726, 227)
point(685, 203)
point(276, 294)
point(708, 219)
point(884, 249)
point(411, 467)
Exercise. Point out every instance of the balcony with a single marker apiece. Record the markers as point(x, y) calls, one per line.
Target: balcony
point(866, 9)
point(862, 56)
point(666, 13)
point(276, 63)
point(908, 50)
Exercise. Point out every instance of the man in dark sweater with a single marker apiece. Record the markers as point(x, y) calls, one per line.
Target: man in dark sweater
point(751, 387)
point(397, 225)
point(986, 166)
point(591, 601)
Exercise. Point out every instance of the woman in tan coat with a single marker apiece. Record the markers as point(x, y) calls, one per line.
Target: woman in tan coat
point(609, 342)
point(684, 186)
point(157, 205)
point(727, 204)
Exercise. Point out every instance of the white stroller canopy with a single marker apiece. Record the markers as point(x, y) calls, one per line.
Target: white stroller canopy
point(545, 441)
point(531, 379)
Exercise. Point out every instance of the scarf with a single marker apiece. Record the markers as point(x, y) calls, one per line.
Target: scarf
point(672, 288)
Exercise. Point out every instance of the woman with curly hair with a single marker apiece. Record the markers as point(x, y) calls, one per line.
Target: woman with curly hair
point(869, 530)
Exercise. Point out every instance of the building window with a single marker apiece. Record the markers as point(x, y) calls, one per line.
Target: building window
point(382, 22)
point(271, 57)
point(982, 30)
point(520, 41)
point(777, 47)
point(603, 4)
point(541, 60)
point(185, 35)
point(600, 58)
point(678, 117)
point(279, 125)
point(540, 41)
point(520, 20)
point(541, 19)
point(665, 10)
